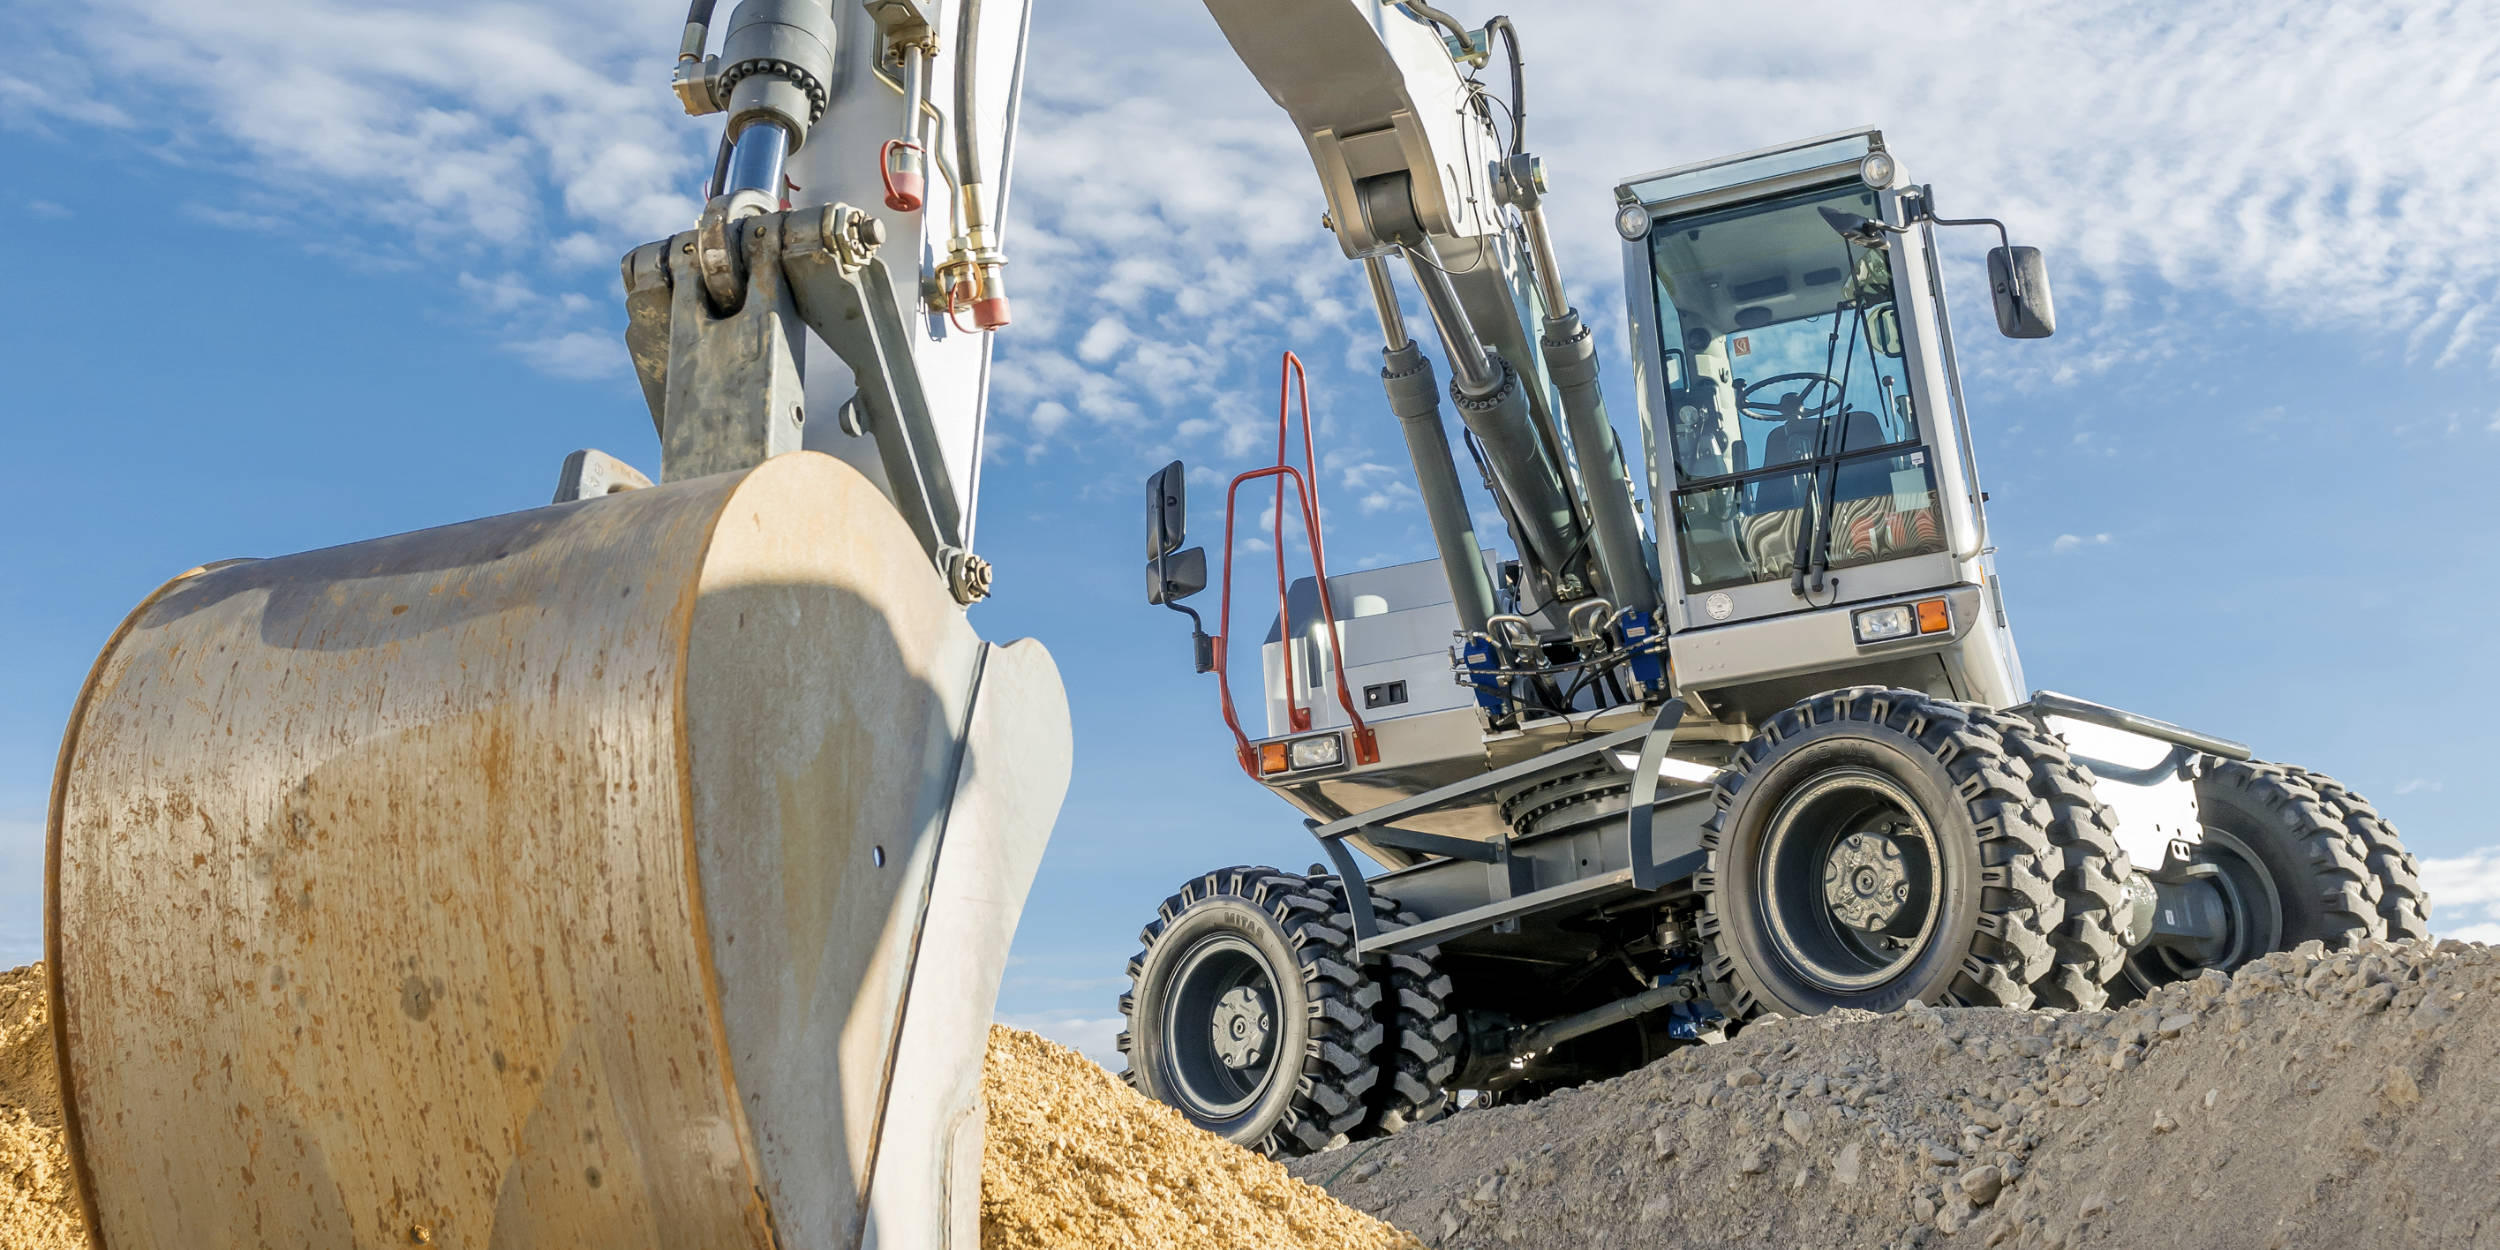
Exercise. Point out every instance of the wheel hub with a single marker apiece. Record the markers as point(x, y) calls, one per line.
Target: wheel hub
point(1865, 881)
point(1848, 880)
point(1241, 1025)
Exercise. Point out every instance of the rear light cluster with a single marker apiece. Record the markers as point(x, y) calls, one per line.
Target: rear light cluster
point(1297, 755)
point(1897, 621)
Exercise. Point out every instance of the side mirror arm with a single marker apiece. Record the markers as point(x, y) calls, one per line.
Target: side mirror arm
point(1201, 643)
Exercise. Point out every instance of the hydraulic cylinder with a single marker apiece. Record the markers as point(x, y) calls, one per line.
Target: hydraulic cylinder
point(1571, 359)
point(1406, 373)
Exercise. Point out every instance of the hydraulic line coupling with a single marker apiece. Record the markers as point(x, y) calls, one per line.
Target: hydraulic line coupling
point(974, 273)
point(909, 31)
point(774, 65)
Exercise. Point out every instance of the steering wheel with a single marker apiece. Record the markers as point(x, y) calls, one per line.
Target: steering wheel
point(1791, 406)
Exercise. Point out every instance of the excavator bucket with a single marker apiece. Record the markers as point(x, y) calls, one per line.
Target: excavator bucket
point(636, 872)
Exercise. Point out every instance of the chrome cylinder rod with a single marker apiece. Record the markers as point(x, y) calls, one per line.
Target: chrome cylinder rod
point(1385, 302)
point(1541, 253)
point(1472, 366)
point(755, 160)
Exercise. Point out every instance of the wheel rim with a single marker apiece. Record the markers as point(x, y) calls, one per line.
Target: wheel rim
point(2251, 907)
point(1848, 880)
point(1221, 1025)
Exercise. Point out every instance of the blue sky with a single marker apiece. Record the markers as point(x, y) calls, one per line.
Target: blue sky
point(301, 272)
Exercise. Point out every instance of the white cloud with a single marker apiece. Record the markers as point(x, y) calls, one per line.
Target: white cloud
point(2415, 785)
point(1048, 416)
point(1393, 495)
point(576, 354)
point(2066, 543)
point(2465, 895)
point(1095, 1037)
point(1103, 340)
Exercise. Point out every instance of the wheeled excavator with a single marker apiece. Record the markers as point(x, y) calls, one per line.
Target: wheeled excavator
point(639, 870)
point(1737, 728)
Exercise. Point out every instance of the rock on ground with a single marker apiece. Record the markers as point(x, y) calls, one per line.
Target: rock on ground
point(2311, 1100)
point(38, 1206)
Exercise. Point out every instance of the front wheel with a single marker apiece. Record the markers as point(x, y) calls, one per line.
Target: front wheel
point(1875, 846)
point(1247, 1013)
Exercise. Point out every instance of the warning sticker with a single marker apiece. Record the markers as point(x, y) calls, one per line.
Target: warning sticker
point(1741, 345)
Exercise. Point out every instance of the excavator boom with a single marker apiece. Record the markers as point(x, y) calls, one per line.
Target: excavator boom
point(639, 870)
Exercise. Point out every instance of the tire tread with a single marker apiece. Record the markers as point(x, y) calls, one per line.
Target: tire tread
point(2020, 904)
point(1339, 1068)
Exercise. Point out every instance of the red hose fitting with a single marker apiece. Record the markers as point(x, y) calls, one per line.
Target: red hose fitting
point(905, 189)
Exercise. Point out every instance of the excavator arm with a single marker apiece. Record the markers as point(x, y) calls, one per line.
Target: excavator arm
point(639, 870)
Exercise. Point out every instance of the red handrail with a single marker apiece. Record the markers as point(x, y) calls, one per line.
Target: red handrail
point(1292, 381)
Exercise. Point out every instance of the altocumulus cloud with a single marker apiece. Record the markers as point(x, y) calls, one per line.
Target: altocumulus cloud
point(2318, 164)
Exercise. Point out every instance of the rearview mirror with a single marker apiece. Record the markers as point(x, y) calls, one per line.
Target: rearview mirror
point(1176, 575)
point(1167, 514)
point(2020, 282)
point(1883, 330)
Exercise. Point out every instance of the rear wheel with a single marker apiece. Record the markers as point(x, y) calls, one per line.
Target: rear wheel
point(1871, 847)
point(1419, 1047)
point(2402, 902)
point(1247, 1014)
point(2287, 868)
point(2092, 878)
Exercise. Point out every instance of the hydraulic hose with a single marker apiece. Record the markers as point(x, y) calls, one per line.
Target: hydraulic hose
point(976, 258)
point(1437, 18)
point(698, 30)
point(967, 122)
point(1518, 81)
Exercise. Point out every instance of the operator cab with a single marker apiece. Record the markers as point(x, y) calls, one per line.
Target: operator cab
point(1807, 444)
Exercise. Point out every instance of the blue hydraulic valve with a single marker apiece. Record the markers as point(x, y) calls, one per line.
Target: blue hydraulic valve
point(1645, 645)
point(1483, 663)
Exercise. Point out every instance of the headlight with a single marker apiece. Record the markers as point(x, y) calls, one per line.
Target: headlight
point(1319, 752)
point(1877, 170)
point(1901, 620)
point(1632, 222)
point(1884, 624)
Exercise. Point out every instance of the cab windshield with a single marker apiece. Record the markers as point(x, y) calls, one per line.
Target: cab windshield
point(1789, 405)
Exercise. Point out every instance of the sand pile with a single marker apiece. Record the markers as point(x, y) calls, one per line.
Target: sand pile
point(38, 1208)
point(1079, 1161)
point(2309, 1101)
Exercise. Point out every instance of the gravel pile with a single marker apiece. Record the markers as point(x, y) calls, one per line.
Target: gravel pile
point(2310, 1100)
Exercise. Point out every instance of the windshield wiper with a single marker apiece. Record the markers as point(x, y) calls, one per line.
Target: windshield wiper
point(1815, 546)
